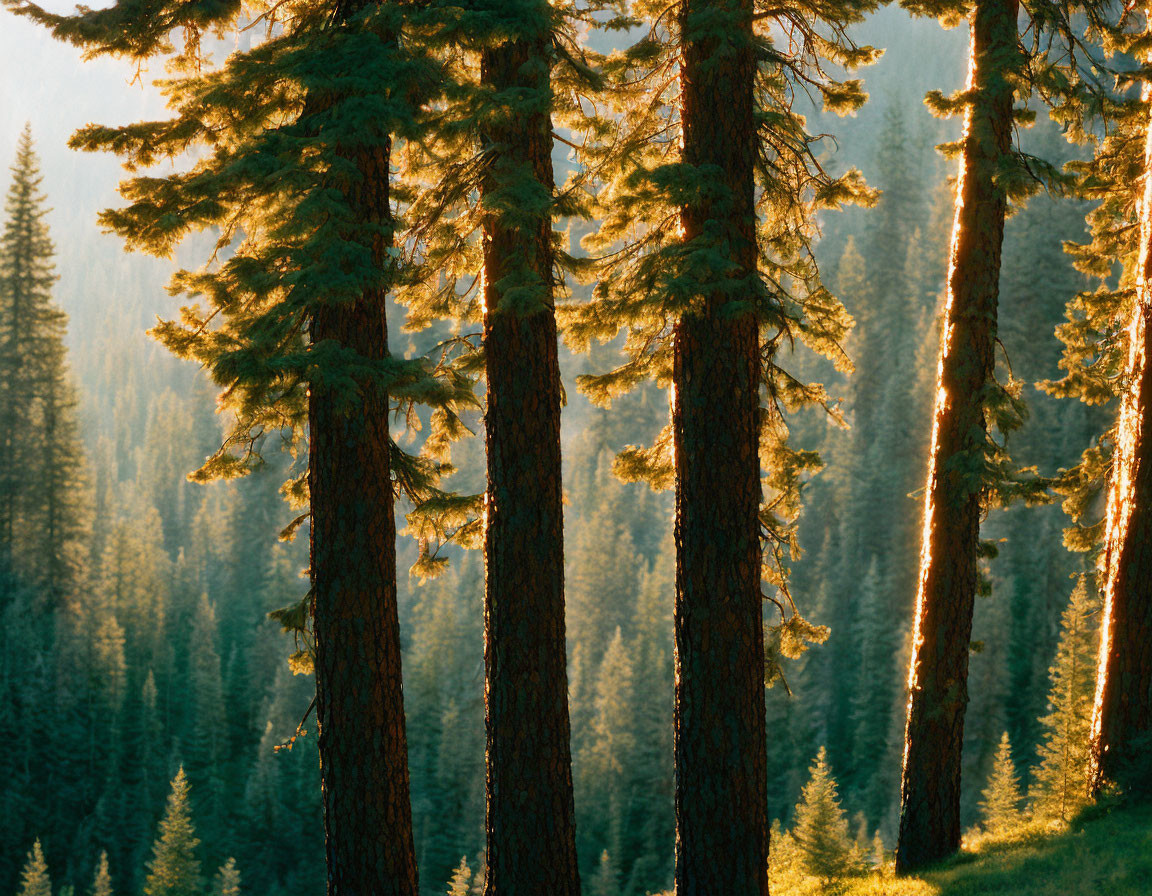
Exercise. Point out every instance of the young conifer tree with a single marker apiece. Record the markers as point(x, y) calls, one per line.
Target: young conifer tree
point(969, 469)
point(227, 882)
point(709, 191)
point(1060, 781)
point(461, 878)
point(299, 132)
point(821, 829)
point(102, 879)
point(34, 879)
point(174, 869)
point(1000, 802)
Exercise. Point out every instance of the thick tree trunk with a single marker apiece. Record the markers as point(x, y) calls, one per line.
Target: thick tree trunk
point(531, 840)
point(1121, 750)
point(359, 691)
point(720, 748)
point(938, 677)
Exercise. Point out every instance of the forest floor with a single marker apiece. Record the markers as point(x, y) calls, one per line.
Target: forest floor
point(1104, 852)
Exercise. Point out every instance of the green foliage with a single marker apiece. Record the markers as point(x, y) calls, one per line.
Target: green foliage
point(1108, 852)
point(227, 882)
point(1060, 783)
point(102, 881)
point(461, 878)
point(276, 184)
point(1000, 805)
point(826, 852)
point(648, 275)
point(1095, 334)
point(34, 880)
point(43, 507)
point(174, 869)
point(606, 880)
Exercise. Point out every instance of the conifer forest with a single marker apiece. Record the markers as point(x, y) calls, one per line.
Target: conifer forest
point(559, 447)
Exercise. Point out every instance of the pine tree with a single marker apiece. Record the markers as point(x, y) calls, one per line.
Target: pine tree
point(174, 869)
point(530, 777)
point(42, 523)
point(604, 763)
point(302, 195)
point(227, 882)
point(969, 469)
point(495, 143)
point(26, 278)
point(821, 827)
point(698, 286)
point(205, 740)
point(461, 878)
point(606, 880)
point(34, 880)
point(1060, 783)
point(1000, 804)
point(102, 881)
point(1121, 735)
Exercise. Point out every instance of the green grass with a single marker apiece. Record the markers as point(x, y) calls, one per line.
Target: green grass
point(1107, 852)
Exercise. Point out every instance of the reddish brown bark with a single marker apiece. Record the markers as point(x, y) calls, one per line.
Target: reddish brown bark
point(930, 790)
point(1121, 749)
point(531, 841)
point(720, 748)
point(359, 692)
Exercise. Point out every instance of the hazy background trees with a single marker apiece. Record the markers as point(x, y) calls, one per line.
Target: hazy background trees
point(166, 659)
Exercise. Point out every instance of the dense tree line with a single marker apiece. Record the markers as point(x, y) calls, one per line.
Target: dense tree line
point(591, 707)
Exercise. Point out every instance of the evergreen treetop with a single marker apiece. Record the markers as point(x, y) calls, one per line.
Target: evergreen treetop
point(174, 869)
point(227, 882)
point(1060, 782)
point(821, 827)
point(648, 275)
point(102, 881)
point(1000, 802)
point(43, 516)
point(461, 878)
point(276, 124)
point(34, 880)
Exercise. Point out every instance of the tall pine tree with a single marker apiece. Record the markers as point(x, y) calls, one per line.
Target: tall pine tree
point(295, 332)
point(707, 220)
point(529, 750)
point(969, 469)
point(1121, 736)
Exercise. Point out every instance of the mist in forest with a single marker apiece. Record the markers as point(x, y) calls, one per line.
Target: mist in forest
point(182, 576)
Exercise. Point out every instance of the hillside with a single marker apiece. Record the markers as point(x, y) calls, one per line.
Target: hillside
point(1105, 852)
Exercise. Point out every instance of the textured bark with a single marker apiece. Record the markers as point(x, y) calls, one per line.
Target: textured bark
point(720, 749)
point(938, 677)
point(359, 692)
point(1121, 746)
point(531, 841)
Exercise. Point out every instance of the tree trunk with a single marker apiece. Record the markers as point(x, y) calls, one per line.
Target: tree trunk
point(938, 677)
point(720, 749)
point(359, 691)
point(531, 842)
point(1121, 745)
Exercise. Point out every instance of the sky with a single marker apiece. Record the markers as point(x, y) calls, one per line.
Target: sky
point(46, 84)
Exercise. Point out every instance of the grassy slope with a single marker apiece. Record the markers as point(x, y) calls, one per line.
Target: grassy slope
point(1104, 853)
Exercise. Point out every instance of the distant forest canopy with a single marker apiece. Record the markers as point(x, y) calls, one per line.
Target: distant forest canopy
point(152, 707)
